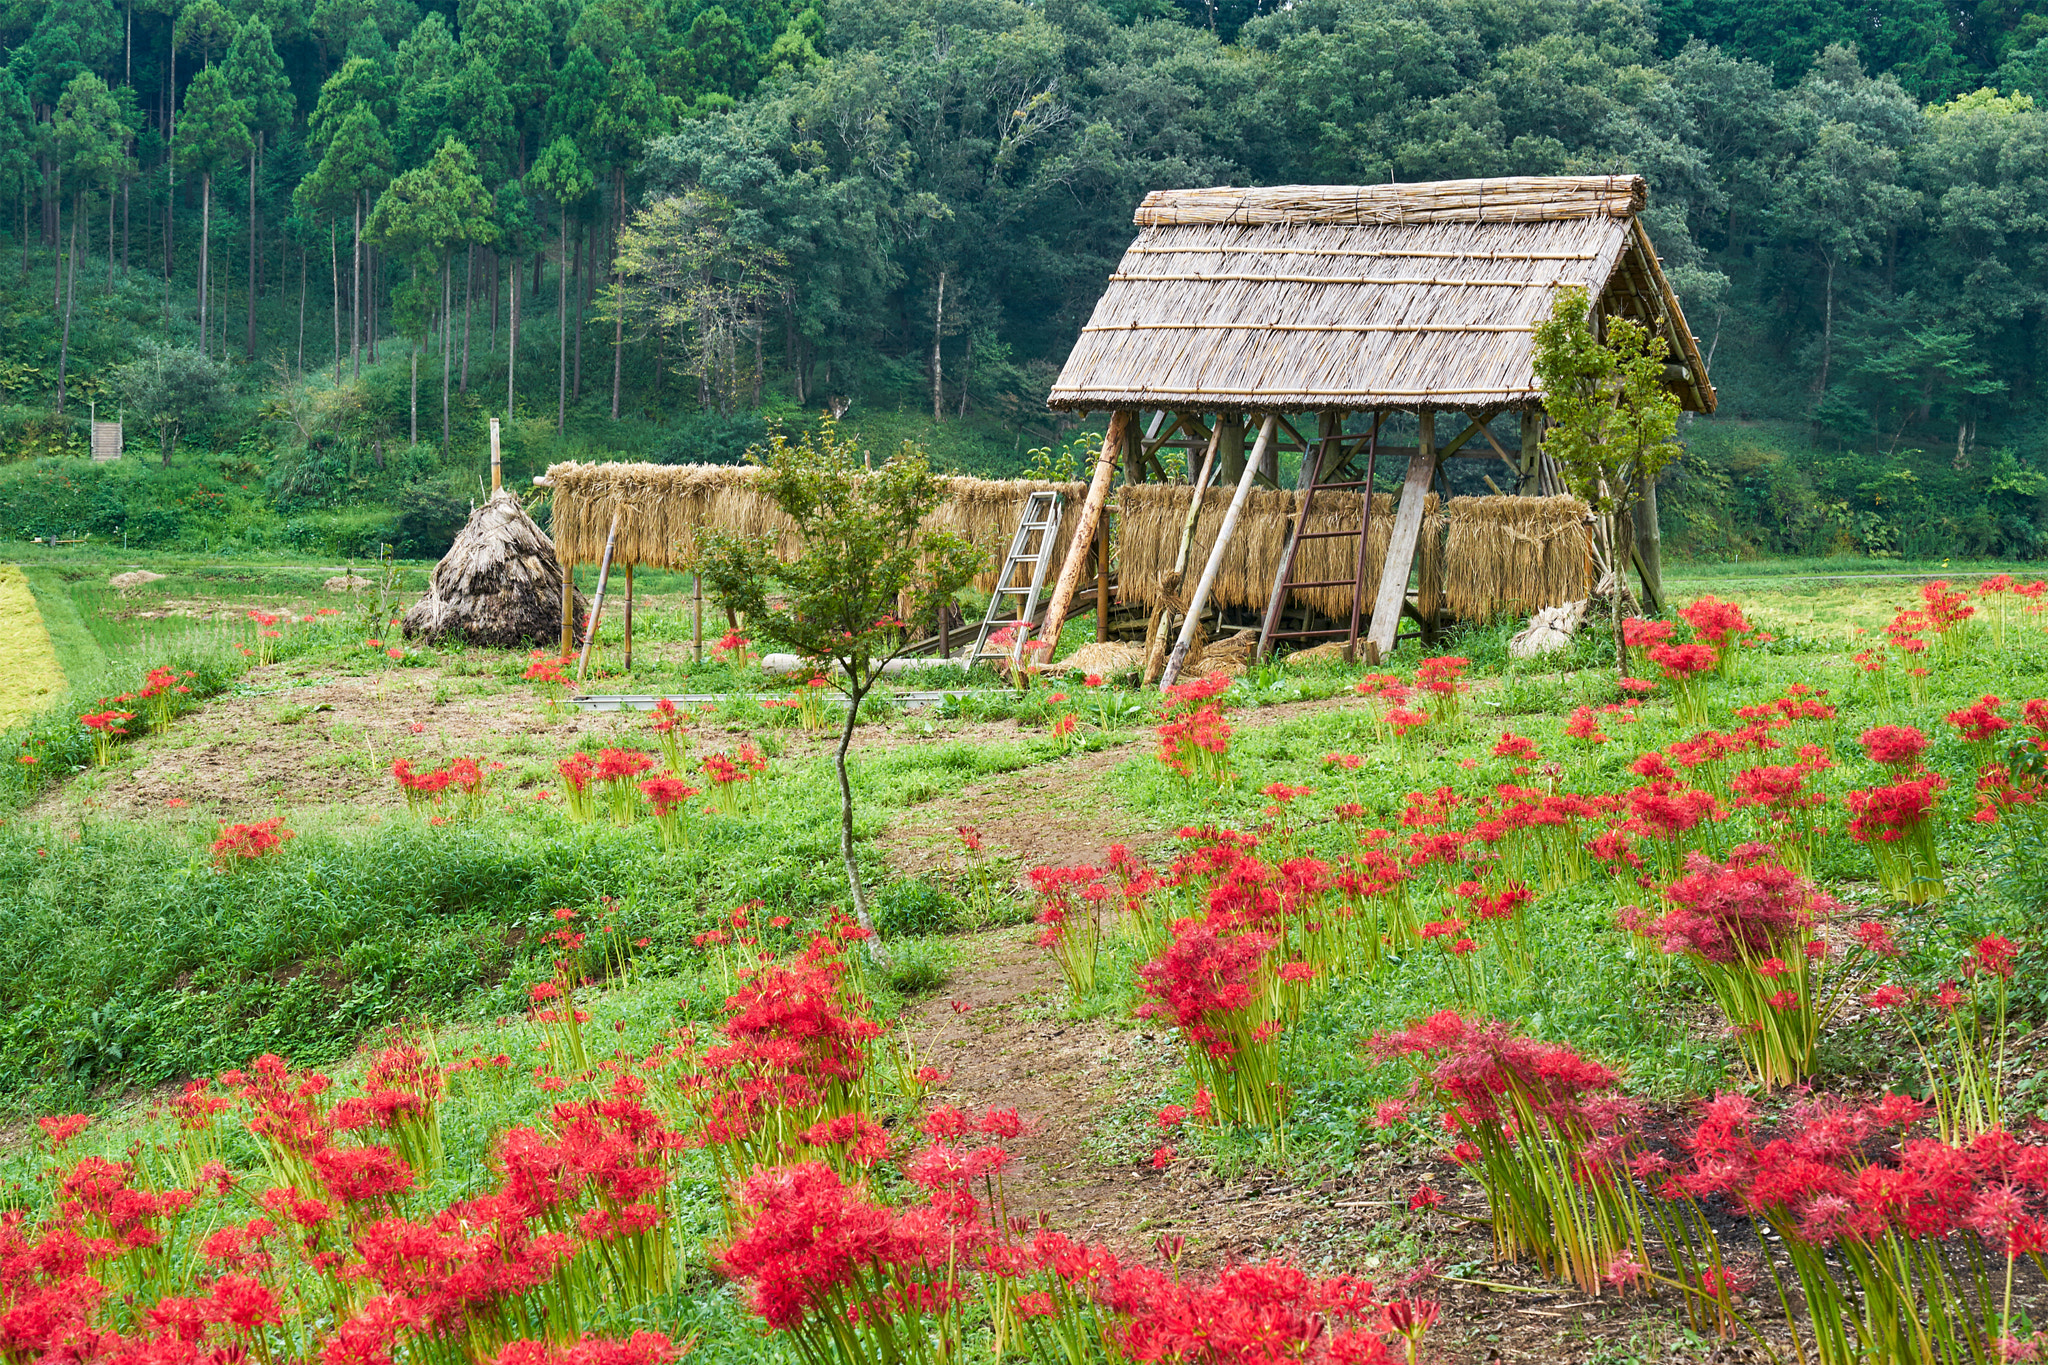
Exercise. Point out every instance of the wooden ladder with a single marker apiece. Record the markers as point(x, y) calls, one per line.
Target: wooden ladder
point(1314, 481)
point(1038, 529)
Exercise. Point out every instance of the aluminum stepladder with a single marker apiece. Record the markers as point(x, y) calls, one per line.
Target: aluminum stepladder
point(1038, 530)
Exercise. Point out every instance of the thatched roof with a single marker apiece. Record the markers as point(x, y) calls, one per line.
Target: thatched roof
point(498, 585)
point(1374, 296)
point(666, 505)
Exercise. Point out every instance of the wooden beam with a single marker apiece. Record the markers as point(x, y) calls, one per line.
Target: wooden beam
point(1215, 566)
point(1328, 426)
point(629, 618)
point(1113, 440)
point(1402, 543)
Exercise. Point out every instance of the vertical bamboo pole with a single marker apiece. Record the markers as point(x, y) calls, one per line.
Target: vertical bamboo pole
point(1102, 578)
point(697, 618)
point(497, 480)
point(629, 618)
point(1245, 480)
point(568, 607)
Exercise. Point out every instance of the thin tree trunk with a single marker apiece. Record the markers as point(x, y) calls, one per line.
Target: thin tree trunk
point(846, 854)
point(170, 173)
point(302, 314)
point(584, 256)
point(619, 320)
point(205, 258)
point(1827, 333)
point(562, 331)
point(512, 341)
point(127, 237)
point(110, 244)
point(56, 199)
point(249, 342)
point(492, 344)
point(468, 292)
point(938, 331)
point(966, 369)
point(415, 393)
point(447, 348)
point(355, 298)
point(70, 293)
point(334, 259)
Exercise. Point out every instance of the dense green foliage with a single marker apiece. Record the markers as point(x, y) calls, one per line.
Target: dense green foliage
point(704, 221)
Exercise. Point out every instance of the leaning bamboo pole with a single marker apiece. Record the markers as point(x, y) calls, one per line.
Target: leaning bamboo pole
point(1162, 615)
point(1202, 589)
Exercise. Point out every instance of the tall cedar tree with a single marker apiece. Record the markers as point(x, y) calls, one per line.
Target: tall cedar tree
point(213, 134)
point(867, 565)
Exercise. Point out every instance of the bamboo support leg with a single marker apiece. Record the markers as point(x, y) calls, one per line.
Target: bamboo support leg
point(568, 608)
point(697, 618)
point(1200, 599)
point(629, 618)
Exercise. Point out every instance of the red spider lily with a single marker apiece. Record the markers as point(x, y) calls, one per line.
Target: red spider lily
point(1980, 723)
point(1544, 1131)
point(1585, 726)
point(1717, 625)
point(578, 775)
point(106, 727)
point(1895, 822)
point(1220, 989)
point(1512, 745)
point(1751, 927)
point(1441, 677)
point(1070, 904)
point(1638, 633)
point(666, 795)
point(250, 842)
point(1895, 746)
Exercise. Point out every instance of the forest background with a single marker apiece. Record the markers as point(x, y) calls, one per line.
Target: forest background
point(304, 249)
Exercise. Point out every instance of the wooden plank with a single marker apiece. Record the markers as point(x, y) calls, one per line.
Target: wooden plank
point(1401, 545)
point(568, 608)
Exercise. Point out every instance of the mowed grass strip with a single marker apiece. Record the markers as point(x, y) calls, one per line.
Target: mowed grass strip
point(30, 677)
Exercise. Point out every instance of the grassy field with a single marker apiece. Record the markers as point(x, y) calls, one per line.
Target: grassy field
point(138, 958)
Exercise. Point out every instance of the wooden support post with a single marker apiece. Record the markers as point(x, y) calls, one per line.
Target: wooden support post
point(1245, 479)
point(629, 618)
point(568, 607)
point(697, 618)
point(1231, 452)
point(1402, 543)
point(1113, 442)
point(1532, 433)
point(604, 569)
point(1649, 547)
point(496, 464)
point(1102, 578)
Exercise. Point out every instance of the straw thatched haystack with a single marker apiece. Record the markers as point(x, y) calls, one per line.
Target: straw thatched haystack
point(1308, 297)
point(1514, 556)
point(498, 585)
point(1150, 517)
point(665, 506)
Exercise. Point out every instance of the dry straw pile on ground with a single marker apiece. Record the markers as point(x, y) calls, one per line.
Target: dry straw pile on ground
point(499, 584)
point(665, 506)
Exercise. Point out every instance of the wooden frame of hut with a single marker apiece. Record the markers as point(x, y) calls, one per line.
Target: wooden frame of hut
point(1246, 322)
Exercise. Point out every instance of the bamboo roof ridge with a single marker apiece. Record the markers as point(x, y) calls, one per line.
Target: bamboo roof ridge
point(1422, 295)
point(663, 507)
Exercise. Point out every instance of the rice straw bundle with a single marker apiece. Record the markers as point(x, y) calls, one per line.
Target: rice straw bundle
point(1151, 515)
point(1510, 556)
point(665, 506)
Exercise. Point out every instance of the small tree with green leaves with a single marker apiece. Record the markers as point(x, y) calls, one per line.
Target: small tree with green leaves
point(867, 565)
point(171, 388)
point(1612, 421)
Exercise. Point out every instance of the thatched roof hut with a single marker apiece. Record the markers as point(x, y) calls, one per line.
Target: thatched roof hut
point(1314, 314)
point(498, 585)
point(1312, 297)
